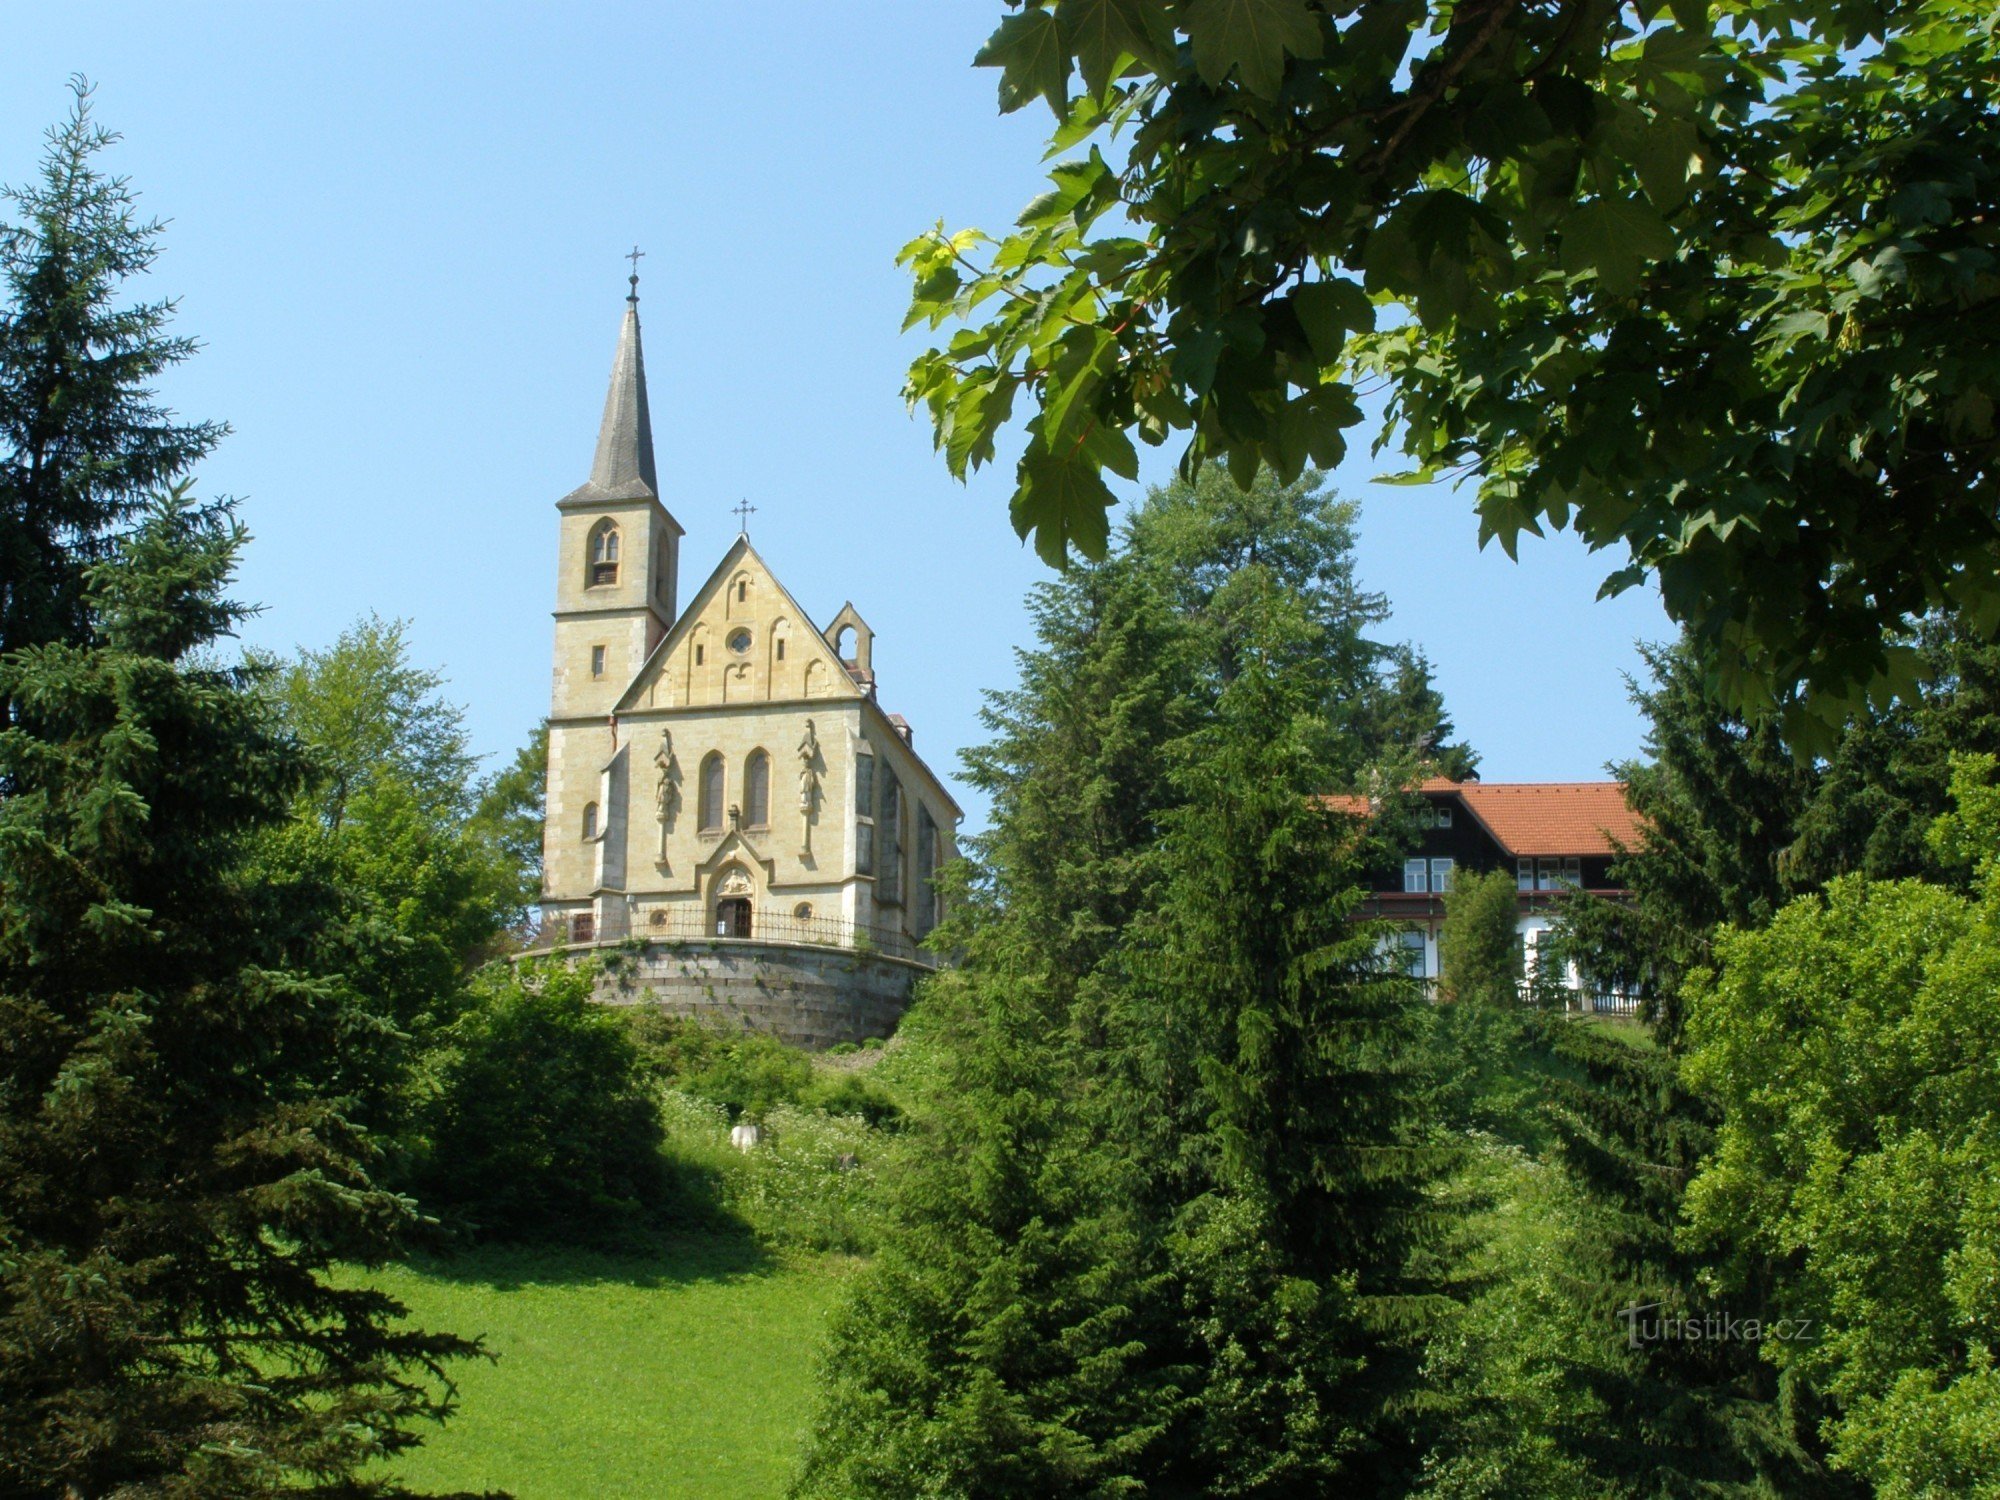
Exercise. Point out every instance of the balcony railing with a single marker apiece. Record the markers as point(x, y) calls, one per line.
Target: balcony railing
point(666, 924)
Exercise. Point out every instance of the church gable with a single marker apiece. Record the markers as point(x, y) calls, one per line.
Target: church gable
point(742, 639)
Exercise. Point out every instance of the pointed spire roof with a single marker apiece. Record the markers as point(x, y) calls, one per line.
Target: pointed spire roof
point(623, 468)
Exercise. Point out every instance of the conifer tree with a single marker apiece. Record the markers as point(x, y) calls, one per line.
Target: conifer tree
point(175, 1184)
point(1165, 1174)
point(82, 439)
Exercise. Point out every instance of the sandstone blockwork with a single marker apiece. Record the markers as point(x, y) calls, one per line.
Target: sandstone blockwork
point(810, 997)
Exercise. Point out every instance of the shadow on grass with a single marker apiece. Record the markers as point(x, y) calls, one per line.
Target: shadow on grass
point(685, 1234)
point(645, 1259)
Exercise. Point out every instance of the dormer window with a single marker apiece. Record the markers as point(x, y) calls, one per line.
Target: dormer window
point(603, 554)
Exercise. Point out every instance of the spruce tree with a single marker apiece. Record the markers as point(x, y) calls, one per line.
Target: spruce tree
point(1165, 1173)
point(176, 1187)
point(82, 439)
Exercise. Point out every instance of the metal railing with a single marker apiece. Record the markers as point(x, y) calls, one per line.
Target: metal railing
point(668, 924)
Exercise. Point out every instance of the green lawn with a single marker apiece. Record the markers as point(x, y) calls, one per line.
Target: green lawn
point(623, 1377)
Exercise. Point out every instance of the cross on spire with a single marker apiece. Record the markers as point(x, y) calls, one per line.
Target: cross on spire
point(635, 256)
point(744, 511)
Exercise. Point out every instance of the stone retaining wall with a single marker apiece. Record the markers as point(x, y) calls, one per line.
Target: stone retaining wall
point(809, 996)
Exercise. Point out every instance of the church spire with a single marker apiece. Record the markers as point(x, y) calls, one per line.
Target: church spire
point(623, 467)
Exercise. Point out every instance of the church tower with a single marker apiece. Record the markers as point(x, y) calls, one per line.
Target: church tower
point(619, 552)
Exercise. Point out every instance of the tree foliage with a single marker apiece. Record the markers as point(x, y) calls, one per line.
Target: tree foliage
point(82, 440)
point(1713, 284)
point(1479, 955)
point(1167, 1167)
point(1851, 1048)
point(534, 1119)
point(178, 1182)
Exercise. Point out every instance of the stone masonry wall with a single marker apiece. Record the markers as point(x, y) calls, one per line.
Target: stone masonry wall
point(811, 997)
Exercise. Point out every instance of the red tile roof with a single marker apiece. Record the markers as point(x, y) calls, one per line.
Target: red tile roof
point(1538, 817)
point(1549, 817)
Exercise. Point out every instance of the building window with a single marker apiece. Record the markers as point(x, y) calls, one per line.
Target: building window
point(708, 813)
point(700, 652)
point(889, 842)
point(864, 784)
point(1558, 874)
point(603, 553)
point(781, 648)
point(590, 820)
point(1441, 876)
point(740, 642)
point(923, 888)
point(1416, 875)
point(757, 790)
point(1524, 874)
point(596, 661)
point(864, 848)
point(583, 927)
point(1415, 961)
point(742, 589)
point(1443, 818)
point(803, 911)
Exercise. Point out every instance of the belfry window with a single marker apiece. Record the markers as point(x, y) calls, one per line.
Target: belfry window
point(603, 553)
point(757, 790)
point(709, 813)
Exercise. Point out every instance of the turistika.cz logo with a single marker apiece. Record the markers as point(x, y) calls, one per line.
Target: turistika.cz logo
point(1710, 1327)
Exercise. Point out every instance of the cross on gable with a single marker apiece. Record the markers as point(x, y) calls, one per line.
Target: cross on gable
point(744, 511)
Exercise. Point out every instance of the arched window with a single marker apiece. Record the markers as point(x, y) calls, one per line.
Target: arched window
point(590, 820)
point(709, 813)
point(603, 553)
point(757, 790)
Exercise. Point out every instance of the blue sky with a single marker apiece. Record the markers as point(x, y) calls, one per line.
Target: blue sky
point(397, 230)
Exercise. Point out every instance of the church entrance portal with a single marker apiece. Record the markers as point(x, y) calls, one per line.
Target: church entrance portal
point(732, 917)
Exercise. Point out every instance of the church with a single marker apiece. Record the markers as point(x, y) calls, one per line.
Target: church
point(730, 813)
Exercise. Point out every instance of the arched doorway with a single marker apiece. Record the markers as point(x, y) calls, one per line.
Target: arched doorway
point(734, 891)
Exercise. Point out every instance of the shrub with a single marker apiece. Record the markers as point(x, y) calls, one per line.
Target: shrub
point(746, 1072)
point(533, 1118)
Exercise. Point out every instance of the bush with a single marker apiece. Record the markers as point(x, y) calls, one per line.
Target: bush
point(792, 1190)
point(746, 1072)
point(533, 1119)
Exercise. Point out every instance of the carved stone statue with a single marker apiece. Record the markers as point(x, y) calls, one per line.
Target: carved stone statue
point(668, 795)
point(809, 789)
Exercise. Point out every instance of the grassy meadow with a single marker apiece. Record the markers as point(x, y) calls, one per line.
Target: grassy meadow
point(686, 1371)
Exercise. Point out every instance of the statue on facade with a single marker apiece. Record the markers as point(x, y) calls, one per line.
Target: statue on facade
point(668, 795)
point(809, 788)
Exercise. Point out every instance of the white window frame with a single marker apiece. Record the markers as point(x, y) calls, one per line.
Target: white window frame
point(1441, 869)
point(1416, 870)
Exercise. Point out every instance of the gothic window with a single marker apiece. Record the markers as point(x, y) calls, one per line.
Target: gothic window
point(590, 820)
point(925, 891)
point(603, 553)
point(864, 812)
point(889, 842)
point(709, 812)
point(757, 790)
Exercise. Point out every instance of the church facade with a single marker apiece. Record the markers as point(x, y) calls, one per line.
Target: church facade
point(726, 797)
